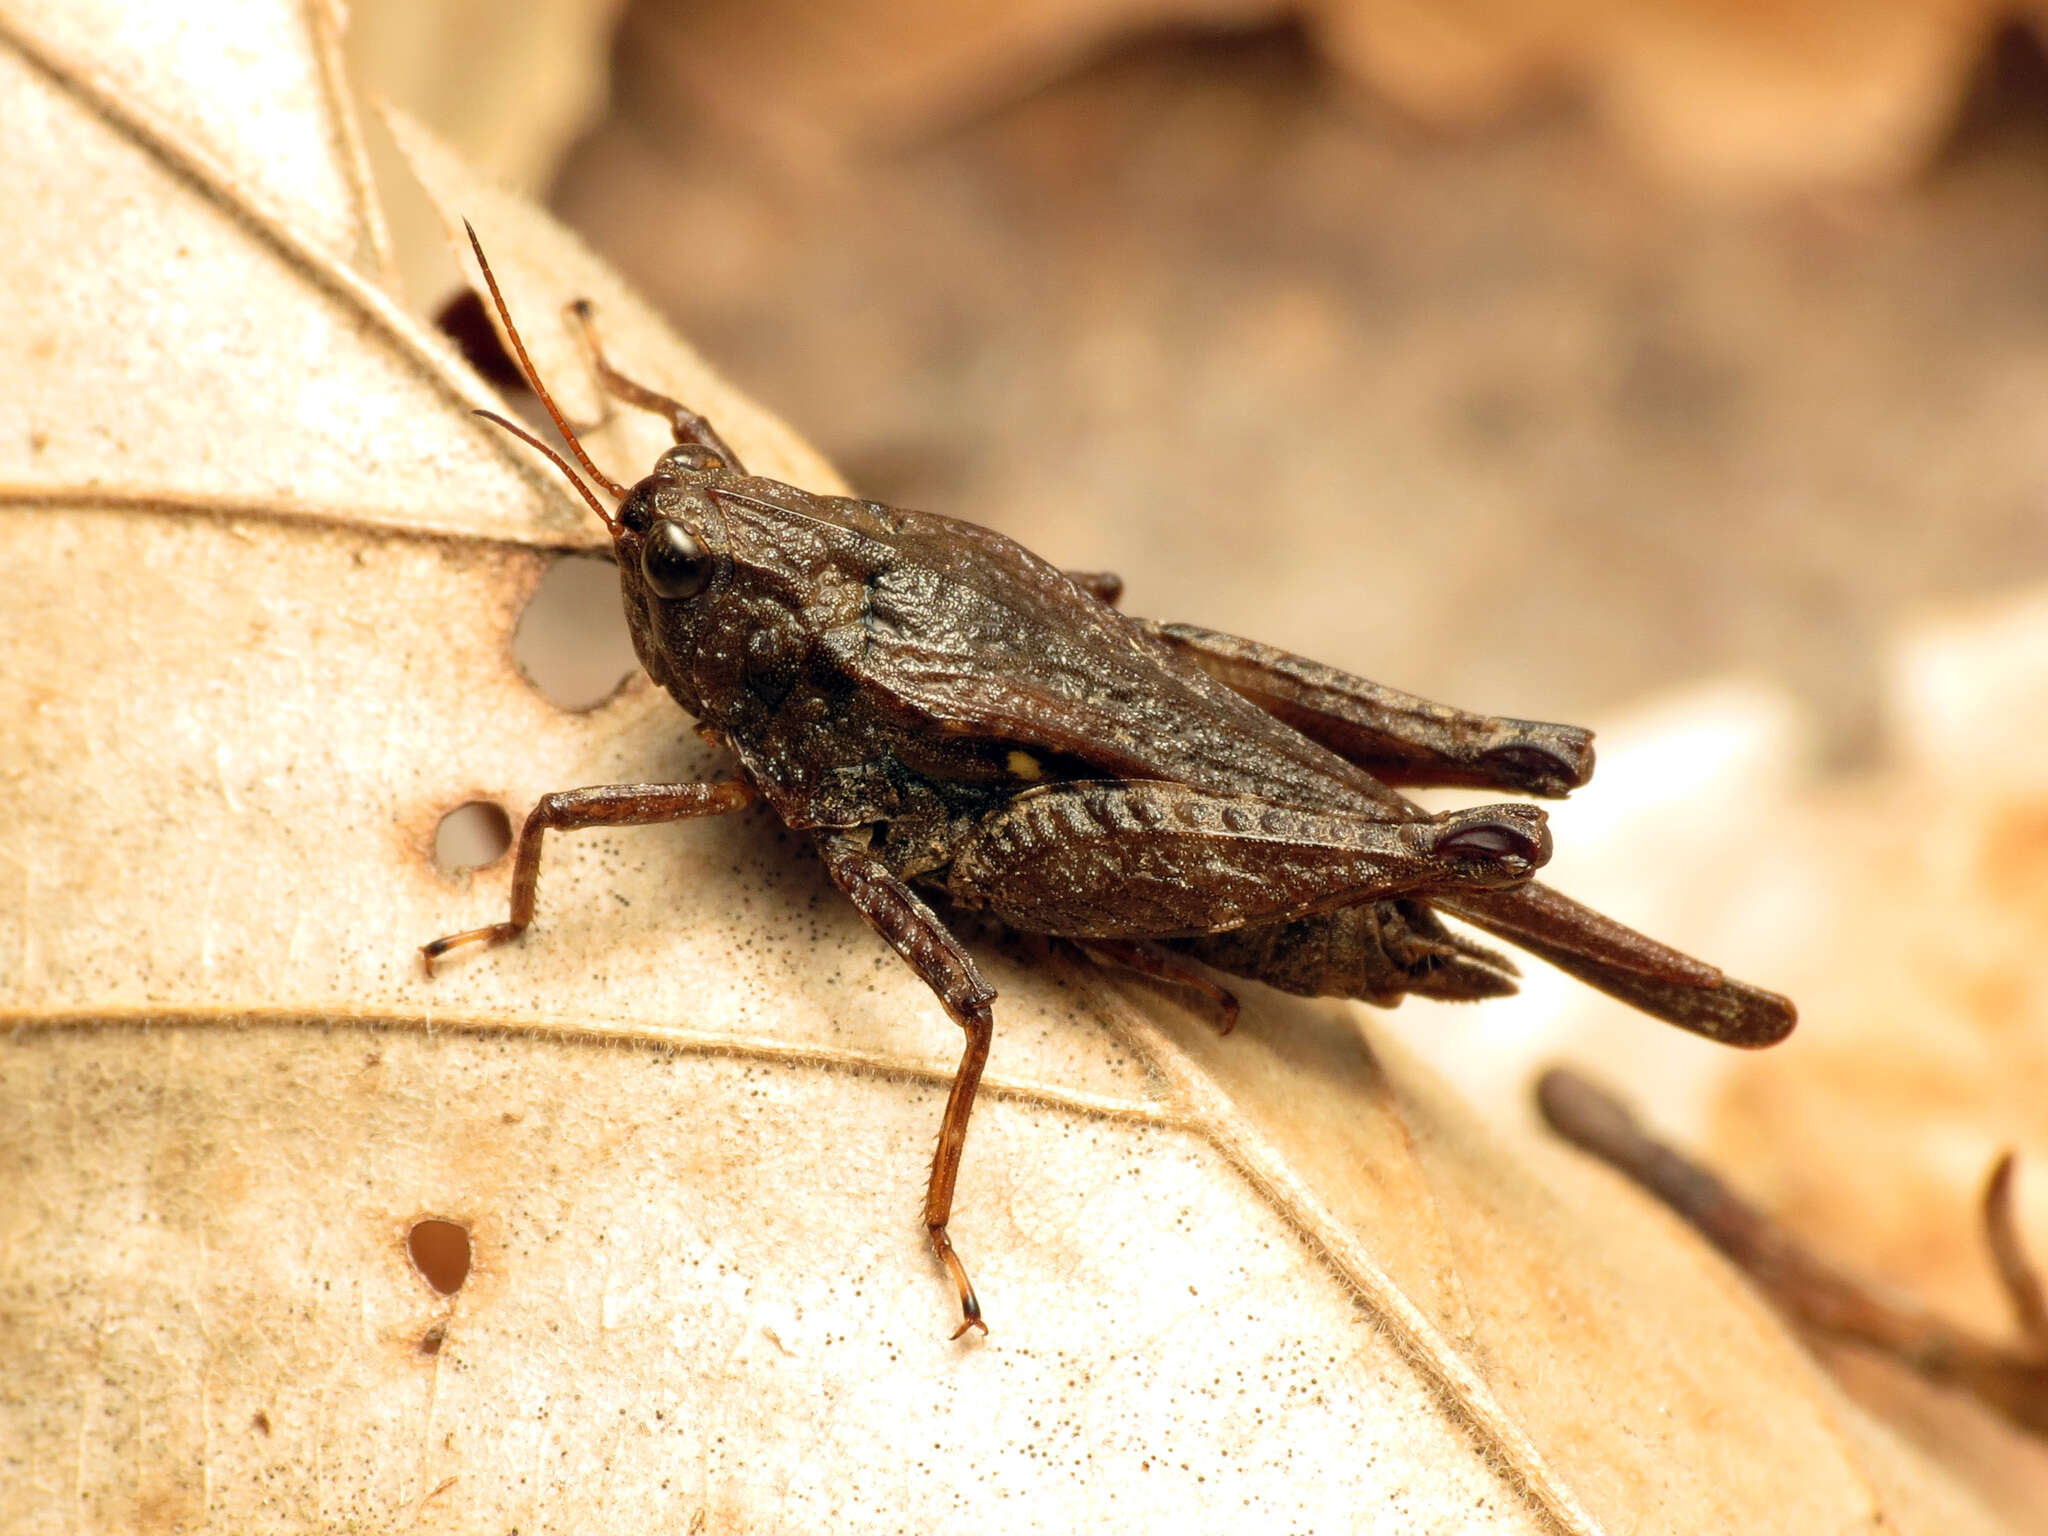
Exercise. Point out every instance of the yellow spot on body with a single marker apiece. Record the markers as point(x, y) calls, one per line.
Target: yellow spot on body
point(1025, 766)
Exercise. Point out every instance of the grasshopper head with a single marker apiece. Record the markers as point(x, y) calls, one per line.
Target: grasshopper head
point(667, 535)
point(670, 542)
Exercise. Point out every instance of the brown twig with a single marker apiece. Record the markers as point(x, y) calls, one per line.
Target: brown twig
point(1808, 1288)
point(2022, 1281)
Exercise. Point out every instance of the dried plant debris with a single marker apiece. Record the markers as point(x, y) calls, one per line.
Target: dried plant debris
point(1812, 1290)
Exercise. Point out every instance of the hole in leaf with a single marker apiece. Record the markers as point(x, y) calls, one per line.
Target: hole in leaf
point(432, 1340)
point(571, 642)
point(464, 321)
point(474, 834)
point(440, 1252)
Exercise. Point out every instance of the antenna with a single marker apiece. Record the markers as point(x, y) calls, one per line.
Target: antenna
point(560, 463)
point(540, 389)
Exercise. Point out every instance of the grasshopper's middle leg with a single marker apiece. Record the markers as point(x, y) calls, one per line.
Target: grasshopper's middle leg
point(914, 931)
point(1162, 965)
point(1377, 951)
point(605, 805)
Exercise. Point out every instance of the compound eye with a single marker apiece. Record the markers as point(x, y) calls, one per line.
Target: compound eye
point(673, 563)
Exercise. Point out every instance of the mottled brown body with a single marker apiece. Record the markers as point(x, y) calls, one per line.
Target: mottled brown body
point(942, 709)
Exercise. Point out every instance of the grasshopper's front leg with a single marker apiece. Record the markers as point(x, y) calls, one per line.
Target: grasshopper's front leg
point(684, 424)
point(605, 805)
point(1104, 586)
point(911, 928)
point(1397, 737)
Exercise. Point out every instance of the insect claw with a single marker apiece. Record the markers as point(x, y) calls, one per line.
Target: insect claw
point(970, 1304)
point(497, 933)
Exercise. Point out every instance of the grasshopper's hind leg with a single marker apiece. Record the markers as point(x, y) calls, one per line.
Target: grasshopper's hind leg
point(1145, 859)
point(914, 931)
point(1625, 964)
point(686, 424)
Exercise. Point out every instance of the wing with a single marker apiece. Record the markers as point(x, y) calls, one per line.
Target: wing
point(1397, 737)
point(962, 632)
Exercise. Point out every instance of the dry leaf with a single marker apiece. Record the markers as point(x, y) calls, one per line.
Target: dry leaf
point(1932, 915)
point(509, 87)
point(1925, 1039)
point(263, 570)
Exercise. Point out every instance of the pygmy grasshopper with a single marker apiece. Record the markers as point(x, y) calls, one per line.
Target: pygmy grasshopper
point(940, 708)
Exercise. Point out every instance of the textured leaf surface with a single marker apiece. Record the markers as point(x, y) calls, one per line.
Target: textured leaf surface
point(262, 576)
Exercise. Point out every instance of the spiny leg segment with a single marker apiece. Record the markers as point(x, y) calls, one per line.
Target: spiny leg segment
point(604, 805)
point(911, 928)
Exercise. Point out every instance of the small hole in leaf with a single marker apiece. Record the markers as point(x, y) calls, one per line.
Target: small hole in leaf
point(432, 1340)
point(440, 1252)
point(472, 835)
point(464, 321)
point(572, 643)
